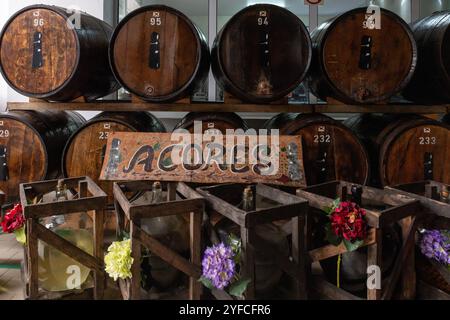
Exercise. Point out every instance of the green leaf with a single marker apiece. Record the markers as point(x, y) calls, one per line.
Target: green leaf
point(125, 235)
point(21, 236)
point(157, 146)
point(238, 288)
point(331, 237)
point(352, 246)
point(334, 206)
point(206, 282)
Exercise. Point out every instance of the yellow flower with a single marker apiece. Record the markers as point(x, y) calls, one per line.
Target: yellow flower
point(118, 261)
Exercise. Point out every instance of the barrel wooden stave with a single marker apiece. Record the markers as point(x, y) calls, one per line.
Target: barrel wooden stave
point(336, 70)
point(237, 61)
point(183, 54)
point(401, 145)
point(431, 80)
point(74, 61)
point(327, 145)
point(34, 143)
point(84, 152)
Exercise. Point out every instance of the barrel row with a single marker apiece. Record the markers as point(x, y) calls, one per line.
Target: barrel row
point(261, 55)
point(374, 149)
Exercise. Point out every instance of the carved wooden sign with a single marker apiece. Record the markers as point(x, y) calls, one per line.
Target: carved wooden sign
point(268, 159)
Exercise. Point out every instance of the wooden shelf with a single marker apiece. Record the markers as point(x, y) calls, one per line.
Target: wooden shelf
point(222, 107)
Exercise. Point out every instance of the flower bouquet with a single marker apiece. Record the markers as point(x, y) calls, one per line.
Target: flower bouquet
point(14, 222)
point(221, 266)
point(347, 225)
point(118, 260)
point(434, 264)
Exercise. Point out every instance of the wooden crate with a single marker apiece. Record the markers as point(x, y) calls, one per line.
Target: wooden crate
point(192, 204)
point(88, 198)
point(223, 199)
point(436, 216)
point(399, 209)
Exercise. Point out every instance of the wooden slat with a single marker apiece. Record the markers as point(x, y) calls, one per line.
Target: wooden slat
point(375, 258)
point(196, 218)
point(428, 292)
point(271, 214)
point(405, 251)
point(408, 276)
point(66, 247)
point(167, 254)
point(187, 191)
point(398, 213)
point(433, 206)
point(166, 209)
point(278, 195)
point(121, 200)
point(330, 291)
point(332, 251)
point(32, 260)
point(221, 107)
point(135, 285)
point(43, 210)
point(248, 260)
point(223, 207)
point(99, 275)
point(299, 256)
point(380, 195)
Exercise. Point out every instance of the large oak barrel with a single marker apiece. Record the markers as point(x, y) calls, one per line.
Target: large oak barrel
point(158, 54)
point(356, 64)
point(262, 54)
point(404, 148)
point(330, 150)
point(446, 119)
point(31, 144)
point(41, 57)
point(212, 121)
point(85, 151)
point(431, 81)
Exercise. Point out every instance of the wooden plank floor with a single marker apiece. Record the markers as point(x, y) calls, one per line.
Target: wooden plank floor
point(11, 253)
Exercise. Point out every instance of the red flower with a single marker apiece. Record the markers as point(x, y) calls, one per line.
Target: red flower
point(347, 221)
point(13, 220)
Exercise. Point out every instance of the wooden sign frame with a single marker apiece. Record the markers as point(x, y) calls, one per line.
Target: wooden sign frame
point(135, 156)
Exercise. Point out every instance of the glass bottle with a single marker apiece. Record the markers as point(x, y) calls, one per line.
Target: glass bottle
point(248, 200)
point(57, 271)
point(173, 232)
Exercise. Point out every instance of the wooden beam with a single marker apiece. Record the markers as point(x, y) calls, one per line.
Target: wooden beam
point(167, 254)
point(405, 251)
point(66, 247)
point(329, 251)
point(127, 106)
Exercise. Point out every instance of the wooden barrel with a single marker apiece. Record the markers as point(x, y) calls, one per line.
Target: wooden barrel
point(212, 121)
point(330, 150)
point(85, 151)
point(431, 81)
point(404, 148)
point(262, 54)
point(355, 64)
point(31, 144)
point(41, 57)
point(446, 119)
point(158, 54)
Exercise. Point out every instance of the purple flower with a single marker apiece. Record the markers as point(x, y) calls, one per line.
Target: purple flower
point(218, 265)
point(435, 245)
